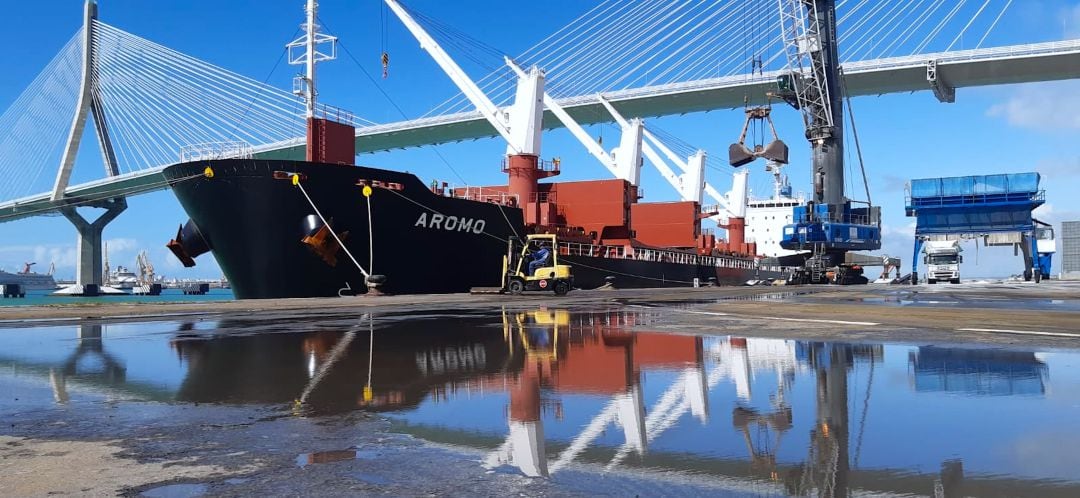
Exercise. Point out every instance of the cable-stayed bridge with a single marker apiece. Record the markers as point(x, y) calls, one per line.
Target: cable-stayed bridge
point(151, 106)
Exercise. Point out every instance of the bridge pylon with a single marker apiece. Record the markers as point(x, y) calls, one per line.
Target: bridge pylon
point(89, 278)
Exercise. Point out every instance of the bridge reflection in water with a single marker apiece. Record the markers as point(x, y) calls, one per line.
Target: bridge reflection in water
point(545, 390)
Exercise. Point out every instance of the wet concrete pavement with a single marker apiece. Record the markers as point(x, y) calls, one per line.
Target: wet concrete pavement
point(744, 392)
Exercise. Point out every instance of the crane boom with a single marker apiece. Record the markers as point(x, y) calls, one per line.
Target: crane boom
point(476, 96)
point(572, 125)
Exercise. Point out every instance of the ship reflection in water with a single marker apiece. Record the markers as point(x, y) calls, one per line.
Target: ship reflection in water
point(546, 391)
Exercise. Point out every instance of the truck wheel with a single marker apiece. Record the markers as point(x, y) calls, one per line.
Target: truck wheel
point(931, 281)
point(561, 288)
point(516, 287)
point(954, 281)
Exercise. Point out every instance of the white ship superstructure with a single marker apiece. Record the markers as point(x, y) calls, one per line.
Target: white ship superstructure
point(766, 218)
point(29, 280)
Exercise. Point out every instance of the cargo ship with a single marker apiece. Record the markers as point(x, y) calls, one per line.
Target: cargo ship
point(270, 242)
point(324, 226)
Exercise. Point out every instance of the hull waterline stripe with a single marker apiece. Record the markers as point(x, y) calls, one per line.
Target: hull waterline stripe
point(634, 276)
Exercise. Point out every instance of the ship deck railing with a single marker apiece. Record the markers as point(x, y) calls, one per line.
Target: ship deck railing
point(497, 196)
point(550, 166)
point(480, 194)
point(542, 197)
point(653, 255)
point(210, 151)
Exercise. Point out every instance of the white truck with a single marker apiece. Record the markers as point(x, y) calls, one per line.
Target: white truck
point(942, 259)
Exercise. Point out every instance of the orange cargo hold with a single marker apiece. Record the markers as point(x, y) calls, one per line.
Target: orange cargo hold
point(667, 224)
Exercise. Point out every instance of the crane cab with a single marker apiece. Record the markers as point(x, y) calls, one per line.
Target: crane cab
point(520, 274)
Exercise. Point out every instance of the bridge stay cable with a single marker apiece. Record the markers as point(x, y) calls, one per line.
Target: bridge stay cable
point(150, 101)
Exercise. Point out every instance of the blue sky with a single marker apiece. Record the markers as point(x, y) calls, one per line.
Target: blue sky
point(988, 130)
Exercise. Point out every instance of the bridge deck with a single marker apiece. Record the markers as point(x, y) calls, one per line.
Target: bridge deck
point(959, 69)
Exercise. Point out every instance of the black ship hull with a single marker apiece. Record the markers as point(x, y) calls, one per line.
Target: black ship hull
point(402, 362)
point(254, 224)
point(254, 220)
point(591, 272)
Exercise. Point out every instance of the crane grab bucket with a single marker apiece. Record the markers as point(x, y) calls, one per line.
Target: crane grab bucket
point(740, 155)
point(776, 151)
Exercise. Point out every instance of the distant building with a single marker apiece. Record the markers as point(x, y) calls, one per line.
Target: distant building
point(1070, 250)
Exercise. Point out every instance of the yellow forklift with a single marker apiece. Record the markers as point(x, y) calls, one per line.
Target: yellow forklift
point(537, 331)
point(549, 275)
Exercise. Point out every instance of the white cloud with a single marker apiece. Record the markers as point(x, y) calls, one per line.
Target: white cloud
point(1049, 213)
point(121, 245)
point(64, 256)
point(121, 252)
point(1051, 106)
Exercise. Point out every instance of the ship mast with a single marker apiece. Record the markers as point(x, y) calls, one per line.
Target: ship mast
point(305, 51)
point(309, 97)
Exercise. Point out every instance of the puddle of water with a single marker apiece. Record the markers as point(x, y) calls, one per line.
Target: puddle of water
point(176, 491)
point(541, 392)
point(769, 296)
point(911, 299)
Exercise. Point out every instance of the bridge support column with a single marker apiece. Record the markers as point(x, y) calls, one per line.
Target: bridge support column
point(89, 276)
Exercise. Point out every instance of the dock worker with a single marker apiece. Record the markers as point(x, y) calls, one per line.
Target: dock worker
point(539, 258)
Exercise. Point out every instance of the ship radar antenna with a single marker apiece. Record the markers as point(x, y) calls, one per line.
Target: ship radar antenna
point(780, 180)
point(306, 51)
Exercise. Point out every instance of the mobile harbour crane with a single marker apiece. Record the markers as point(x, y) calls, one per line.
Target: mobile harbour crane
point(828, 226)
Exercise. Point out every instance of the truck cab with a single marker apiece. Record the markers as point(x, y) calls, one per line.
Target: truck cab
point(1045, 247)
point(942, 259)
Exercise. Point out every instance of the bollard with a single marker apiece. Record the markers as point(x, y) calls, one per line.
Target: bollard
point(374, 284)
point(609, 283)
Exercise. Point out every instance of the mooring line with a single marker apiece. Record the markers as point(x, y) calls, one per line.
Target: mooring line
point(296, 181)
